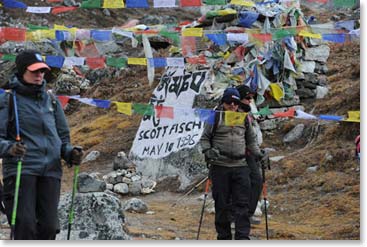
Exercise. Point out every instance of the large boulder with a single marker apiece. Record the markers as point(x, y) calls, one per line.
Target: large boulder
point(98, 216)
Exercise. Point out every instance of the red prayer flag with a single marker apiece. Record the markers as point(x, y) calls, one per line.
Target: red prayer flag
point(58, 10)
point(164, 111)
point(186, 3)
point(196, 60)
point(13, 34)
point(263, 37)
point(63, 100)
point(290, 113)
point(95, 62)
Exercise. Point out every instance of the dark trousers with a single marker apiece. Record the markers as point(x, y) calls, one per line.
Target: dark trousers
point(231, 190)
point(256, 183)
point(37, 206)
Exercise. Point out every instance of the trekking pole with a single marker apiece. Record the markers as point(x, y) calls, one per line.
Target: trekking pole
point(189, 192)
point(75, 184)
point(263, 167)
point(202, 210)
point(19, 171)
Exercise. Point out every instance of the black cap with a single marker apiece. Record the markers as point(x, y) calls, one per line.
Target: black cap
point(31, 60)
point(244, 91)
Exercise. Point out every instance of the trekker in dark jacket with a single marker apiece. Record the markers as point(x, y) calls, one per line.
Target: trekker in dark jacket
point(45, 139)
point(225, 151)
point(255, 170)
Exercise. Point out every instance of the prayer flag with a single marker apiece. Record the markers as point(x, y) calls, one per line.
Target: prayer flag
point(137, 61)
point(232, 118)
point(124, 108)
point(190, 3)
point(137, 4)
point(55, 61)
point(113, 4)
point(143, 109)
point(91, 4)
point(95, 62)
point(164, 111)
point(118, 62)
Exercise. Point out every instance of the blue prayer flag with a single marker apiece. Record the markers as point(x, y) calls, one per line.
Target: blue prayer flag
point(101, 35)
point(331, 118)
point(218, 39)
point(102, 103)
point(63, 35)
point(55, 61)
point(205, 115)
point(334, 37)
point(14, 4)
point(158, 62)
point(247, 18)
point(137, 4)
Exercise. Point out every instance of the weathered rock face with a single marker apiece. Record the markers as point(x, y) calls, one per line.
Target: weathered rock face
point(187, 165)
point(98, 216)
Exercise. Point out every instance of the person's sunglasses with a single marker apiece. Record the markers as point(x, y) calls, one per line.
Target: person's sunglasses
point(231, 101)
point(42, 71)
point(249, 97)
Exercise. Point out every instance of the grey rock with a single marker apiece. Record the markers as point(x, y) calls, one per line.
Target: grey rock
point(135, 188)
point(122, 162)
point(135, 205)
point(321, 92)
point(98, 216)
point(312, 169)
point(318, 53)
point(294, 134)
point(268, 124)
point(121, 188)
point(308, 66)
point(93, 155)
point(87, 183)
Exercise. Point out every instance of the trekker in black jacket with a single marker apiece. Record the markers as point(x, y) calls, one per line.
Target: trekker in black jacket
point(225, 151)
point(45, 139)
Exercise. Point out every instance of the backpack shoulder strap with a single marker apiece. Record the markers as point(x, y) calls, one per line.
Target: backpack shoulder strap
point(53, 99)
point(216, 122)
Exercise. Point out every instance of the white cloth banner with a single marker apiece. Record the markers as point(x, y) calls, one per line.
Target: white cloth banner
point(158, 137)
point(164, 3)
point(238, 37)
point(38, 10)
point(71, 61)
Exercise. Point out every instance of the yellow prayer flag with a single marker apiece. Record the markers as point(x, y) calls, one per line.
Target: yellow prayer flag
point(276, 91)
point(243, 3)
point(223, 12)
point(125, 108)
point(38, 35)
point(193, 32)
point(310, 35)
point(113, 4)
point(232, 118)
point(353, 116)
point(63, 28)
point(137, 61)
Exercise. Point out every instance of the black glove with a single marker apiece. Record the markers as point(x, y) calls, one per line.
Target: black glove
point(211, 154)
point(17, 149)
point(76, 156)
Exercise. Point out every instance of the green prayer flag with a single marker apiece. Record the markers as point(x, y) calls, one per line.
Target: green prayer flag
point(31, 27)
point(8, 57)
point(174, 36)
point(118, 62)
point(91, 4)
point(215, 2)
point(282, 33)
point(143, 109)
point(344, 3)
point(264, 111)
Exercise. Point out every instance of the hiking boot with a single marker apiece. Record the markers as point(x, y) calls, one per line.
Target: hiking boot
point(255, 220)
